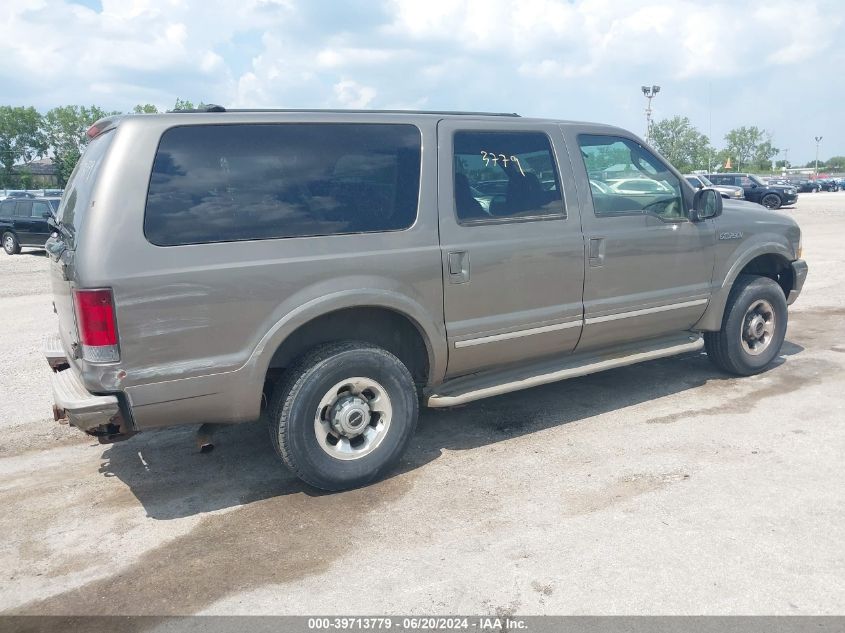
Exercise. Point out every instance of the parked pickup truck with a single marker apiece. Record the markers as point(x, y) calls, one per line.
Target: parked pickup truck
point(338, 268)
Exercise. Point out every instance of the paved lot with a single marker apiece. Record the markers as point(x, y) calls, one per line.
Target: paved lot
point(660, 488)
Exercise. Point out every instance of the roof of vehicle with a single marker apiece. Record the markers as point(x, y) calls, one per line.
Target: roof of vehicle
point(211, 113)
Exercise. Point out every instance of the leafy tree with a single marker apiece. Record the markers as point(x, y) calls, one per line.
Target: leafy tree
point(764, 154)
point(21, 138)
point(750, 147)
point(680, 143)
point(184, 104)
point(65, 129)
point(835, 163)
point(147, 108)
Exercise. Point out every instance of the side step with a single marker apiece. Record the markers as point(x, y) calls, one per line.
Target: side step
point(484, 385)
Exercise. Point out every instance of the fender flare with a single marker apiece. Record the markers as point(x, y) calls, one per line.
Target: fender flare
point(432, 332)
point(711, 320)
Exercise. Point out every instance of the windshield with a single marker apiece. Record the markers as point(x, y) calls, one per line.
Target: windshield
point(706, 181)
point(756, 180)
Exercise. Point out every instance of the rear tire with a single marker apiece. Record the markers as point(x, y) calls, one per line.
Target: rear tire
point(753, 327)
point(343, 415)
point(771, 201)
point(11, 244)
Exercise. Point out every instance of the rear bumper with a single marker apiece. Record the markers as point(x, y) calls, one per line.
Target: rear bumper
point(98, 415)
point(799, 275)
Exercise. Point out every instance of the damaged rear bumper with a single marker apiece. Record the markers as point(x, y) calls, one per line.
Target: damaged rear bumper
point(97, 415)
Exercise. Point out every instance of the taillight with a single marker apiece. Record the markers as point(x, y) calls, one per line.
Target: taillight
point(96, 323)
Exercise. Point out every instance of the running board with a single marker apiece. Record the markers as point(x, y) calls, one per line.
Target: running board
point(484, 385)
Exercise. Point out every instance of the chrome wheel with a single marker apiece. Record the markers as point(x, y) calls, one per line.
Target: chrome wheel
point(353, 418)
point(758, 327)
point(9, 243)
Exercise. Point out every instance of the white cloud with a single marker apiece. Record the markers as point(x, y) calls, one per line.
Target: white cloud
point(567, 58)
point(351, 94)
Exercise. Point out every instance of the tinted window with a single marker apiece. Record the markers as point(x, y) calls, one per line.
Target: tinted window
point(695, 182)
point(501, 175)
point(7, 208)
point(627, 178)
point(217, 183)
point(39, 209)
point(23, 209)
point(80, 186)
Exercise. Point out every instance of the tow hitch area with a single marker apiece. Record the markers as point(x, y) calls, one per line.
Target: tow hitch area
point(115, 431)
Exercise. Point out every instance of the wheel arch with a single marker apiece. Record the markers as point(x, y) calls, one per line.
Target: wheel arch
point(770, 260)
point(313, 323)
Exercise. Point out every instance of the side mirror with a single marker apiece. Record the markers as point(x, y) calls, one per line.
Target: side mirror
point(706, 204)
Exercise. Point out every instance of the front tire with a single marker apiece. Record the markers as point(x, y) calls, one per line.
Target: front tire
point(753, 327)
point(11, 244)
point(343, 416)
point(771, 201)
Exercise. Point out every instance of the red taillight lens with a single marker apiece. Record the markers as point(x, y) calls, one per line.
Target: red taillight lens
point(95, 317)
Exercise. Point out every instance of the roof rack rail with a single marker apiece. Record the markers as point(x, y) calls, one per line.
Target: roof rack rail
point(208, 107)
point(217, 108)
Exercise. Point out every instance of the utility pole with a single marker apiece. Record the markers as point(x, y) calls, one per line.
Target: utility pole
point(818, 140)
point(786, 159)
point(649, 92)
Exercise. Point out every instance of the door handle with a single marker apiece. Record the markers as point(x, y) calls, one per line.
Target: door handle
point(596, 252)
point(458, 267)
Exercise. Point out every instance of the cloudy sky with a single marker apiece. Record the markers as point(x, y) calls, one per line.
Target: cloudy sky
point(776, 64)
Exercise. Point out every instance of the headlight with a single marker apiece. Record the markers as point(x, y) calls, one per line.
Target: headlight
point(738, 194)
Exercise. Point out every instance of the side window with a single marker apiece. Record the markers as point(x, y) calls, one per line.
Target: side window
point(505, 175)
point(7, 208)
point(744, 181)
point(223, 183)
point(24, 209)
point(626, 178)
point(39, 209)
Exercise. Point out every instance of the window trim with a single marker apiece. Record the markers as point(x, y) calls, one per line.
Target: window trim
point(523, 219)
point(289, 237)
point(642, 212)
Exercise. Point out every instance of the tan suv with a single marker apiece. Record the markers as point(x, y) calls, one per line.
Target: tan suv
point(338, 268)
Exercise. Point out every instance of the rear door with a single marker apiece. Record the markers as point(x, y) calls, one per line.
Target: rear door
point(23, 222)
point(512, 249)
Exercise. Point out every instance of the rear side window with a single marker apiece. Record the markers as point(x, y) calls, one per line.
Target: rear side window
point(502, 176)
point(23, 209)
point(222, 183)
point(7, 208)
point(80, 185)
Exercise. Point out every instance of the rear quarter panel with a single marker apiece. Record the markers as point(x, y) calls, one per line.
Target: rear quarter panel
point(203, 321)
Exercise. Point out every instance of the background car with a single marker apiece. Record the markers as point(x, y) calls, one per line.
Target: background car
point(639, 186)
point(770, 196)
point(805, 185)
point(24, 221)
point(728, 191)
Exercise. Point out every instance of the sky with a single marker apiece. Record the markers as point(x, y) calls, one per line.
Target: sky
point(779, 65)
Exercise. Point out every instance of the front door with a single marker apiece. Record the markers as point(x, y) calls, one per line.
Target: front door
point(512, 249)
point(649, 268)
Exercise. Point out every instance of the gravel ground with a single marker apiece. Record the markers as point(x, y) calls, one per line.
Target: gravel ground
point(665, 487)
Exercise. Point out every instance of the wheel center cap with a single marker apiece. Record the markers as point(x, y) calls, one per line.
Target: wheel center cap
point(350, 416)
point(756, 327)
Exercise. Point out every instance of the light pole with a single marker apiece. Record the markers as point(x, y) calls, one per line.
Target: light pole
point(785, 159)
point(818, 140)
point(650, 92)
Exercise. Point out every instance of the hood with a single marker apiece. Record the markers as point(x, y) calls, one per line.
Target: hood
point(754, 218)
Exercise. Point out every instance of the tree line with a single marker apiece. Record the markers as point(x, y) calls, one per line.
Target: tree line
point(748, 148)
point(60, 133)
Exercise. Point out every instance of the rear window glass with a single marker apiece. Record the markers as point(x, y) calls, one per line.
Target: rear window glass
point(80, 185)
point(221, 183)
